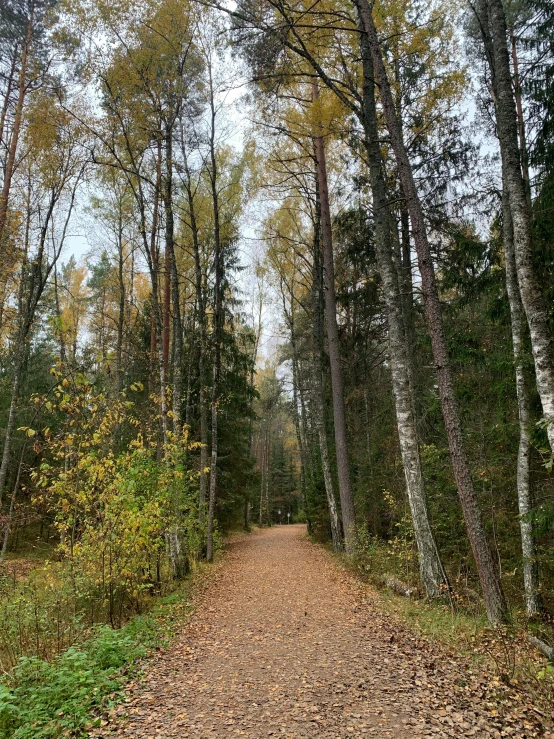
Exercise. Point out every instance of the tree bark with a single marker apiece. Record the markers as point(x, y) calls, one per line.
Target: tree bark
point(520, 119)
point(201, 317)
point(300, 440)
point(18, 117)
point(9, 87)
point(218, 325)
point(8, 526)
point(493, 27)
point(490, 582)
point(153, 263)
point(177, 390)
point(432, 572)
point(262, 480)
point(530, 568)
point(337, 385)
point(121, 309)
point(317, 396)
point(19, 364)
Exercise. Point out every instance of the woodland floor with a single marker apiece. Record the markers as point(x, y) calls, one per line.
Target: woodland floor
point(283, 644)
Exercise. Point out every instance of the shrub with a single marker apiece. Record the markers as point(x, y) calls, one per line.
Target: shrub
point(49, 700)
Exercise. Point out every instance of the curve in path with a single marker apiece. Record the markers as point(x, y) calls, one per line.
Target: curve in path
point(282, 645)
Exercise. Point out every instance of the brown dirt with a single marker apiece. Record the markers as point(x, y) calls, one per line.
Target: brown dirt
point(283, 644)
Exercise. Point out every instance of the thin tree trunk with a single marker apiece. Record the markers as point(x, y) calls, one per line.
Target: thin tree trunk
point(493, 26)
point(202, 378)
point(300, 440)
point(19, 364)
point(268, 469)
point(201, 314)
point(154, 268)
point(166, 314)
point(177, 391)
point(190, 364)
point(318, 394)
point(9, 85)
point(432, 573)
point(262, 481)
point(178, 559)
point(490, 582)
point(121, 310)
point(337, 385)
point(10, 163)
point(520, 119)
point(251, 403)
point(218, 326)
point(530, 568)
point(8, 526)
point(59, 318)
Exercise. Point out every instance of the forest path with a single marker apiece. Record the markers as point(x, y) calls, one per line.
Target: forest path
point(283, 644)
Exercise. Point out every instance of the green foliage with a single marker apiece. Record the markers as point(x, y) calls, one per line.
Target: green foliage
point(48, 700)
point(119, 515)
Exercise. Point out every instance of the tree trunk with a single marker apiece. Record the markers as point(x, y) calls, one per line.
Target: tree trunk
point(268, 468)
point(490, 582)
point(177, 391)
point(121, 311)
point(8, 526)
point(166, 331)
point(530, 569)
point(262, 480)
point(337, 386)
point(60, 331)
point(300, 440)
point(218, 327)
point(431, 570)
point(12, 151)
point(318, 393)
point(19, 363)
point(520, 119)
point(153, 263)
point(201, 314)
point(493, 26)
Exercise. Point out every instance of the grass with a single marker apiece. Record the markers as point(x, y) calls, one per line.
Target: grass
point(434, 621)
point(66, 696)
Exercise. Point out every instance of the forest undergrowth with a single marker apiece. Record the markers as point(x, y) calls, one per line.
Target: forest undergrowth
point(456, 623)
point(54, 690)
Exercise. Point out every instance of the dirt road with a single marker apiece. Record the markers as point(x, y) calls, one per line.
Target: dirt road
point(283, 644)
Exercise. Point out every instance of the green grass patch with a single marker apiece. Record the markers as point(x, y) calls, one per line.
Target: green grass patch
point(433, 620)
point(67, 695)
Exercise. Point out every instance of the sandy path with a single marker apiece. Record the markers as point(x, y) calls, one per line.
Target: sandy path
point(282, 645)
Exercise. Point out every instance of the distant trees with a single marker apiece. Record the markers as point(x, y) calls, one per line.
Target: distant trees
point(361, 380)
point(403, 173)
point(153, 311)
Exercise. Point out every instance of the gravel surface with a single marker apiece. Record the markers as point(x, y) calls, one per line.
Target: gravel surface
point(283, 644)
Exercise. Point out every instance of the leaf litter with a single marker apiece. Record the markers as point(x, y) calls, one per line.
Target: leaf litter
point(283, 644)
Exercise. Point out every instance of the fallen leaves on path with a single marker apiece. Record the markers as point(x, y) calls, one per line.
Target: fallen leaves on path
point(282, 644)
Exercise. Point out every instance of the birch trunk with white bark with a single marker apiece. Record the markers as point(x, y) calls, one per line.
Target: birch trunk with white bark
point(432, 573)
point(492, 20)
point(493, 594)
point(530, 569)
